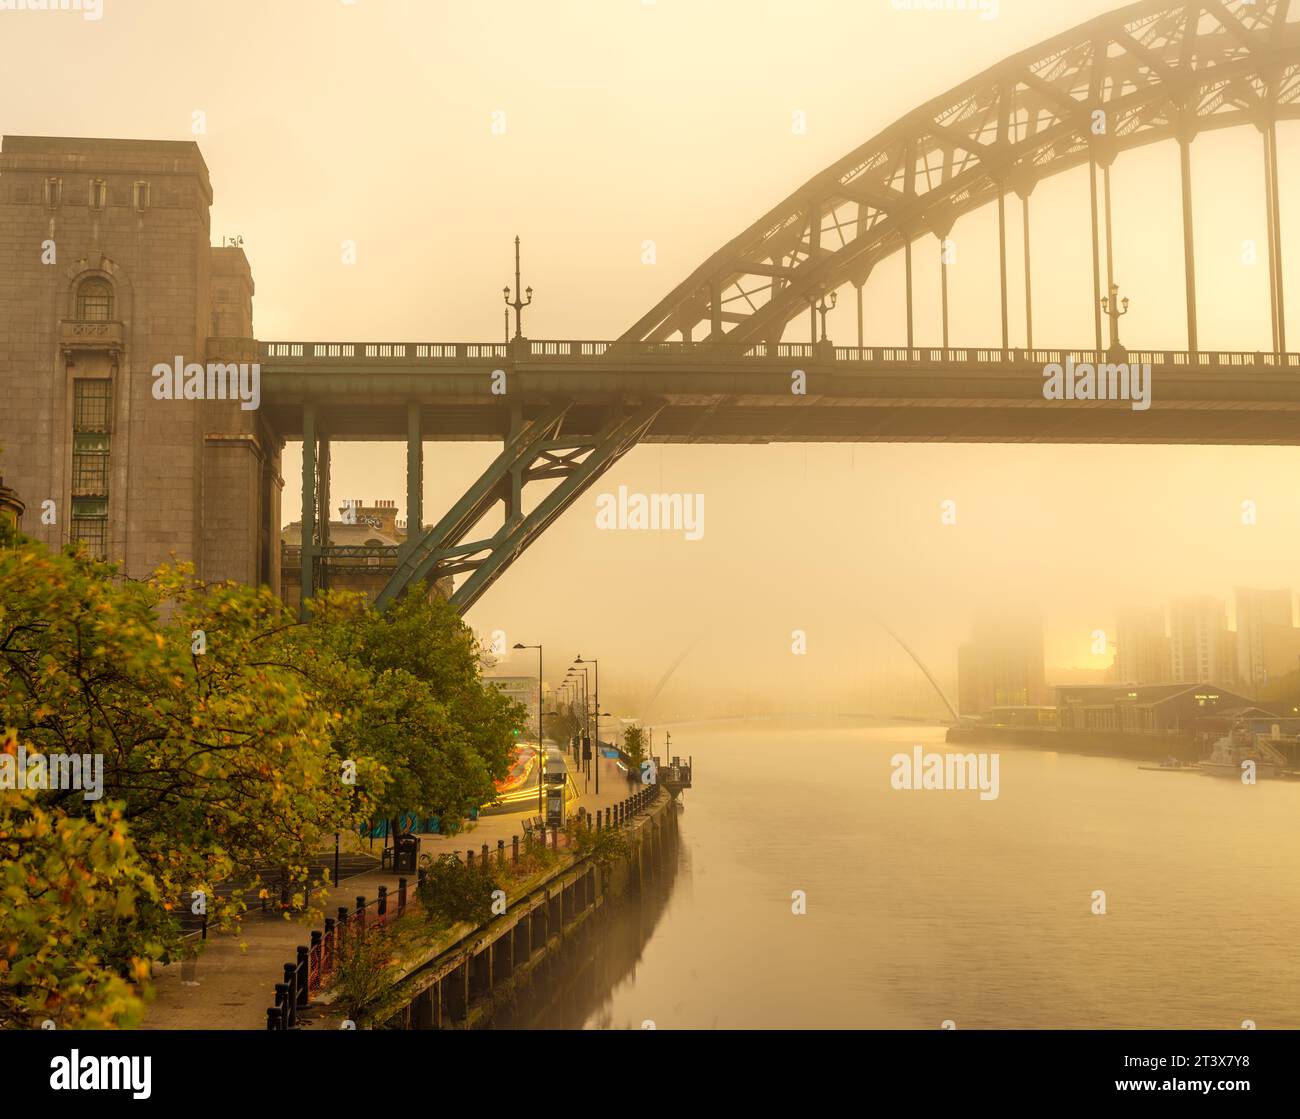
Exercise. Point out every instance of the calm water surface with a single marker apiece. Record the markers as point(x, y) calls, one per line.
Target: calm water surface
point(931, 905)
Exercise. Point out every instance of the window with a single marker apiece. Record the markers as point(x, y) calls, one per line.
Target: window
point(89, 464)
point(141, 195)
point(92, 530)
point(91, 444)
point(53, 192)
point(98, 194)
point(90, 404)
point(95, 301)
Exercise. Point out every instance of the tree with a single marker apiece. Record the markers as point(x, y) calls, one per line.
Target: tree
point(234, 740)
point(419, 706)
point(68, 888)
point(634, 745)
point(217, 749)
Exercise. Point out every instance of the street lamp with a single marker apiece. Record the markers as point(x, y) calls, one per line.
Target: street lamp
point(517, 304)
point(596, 756)
point(541, 752)
point(1111, 304)
point(822, 302)
point(586, 708)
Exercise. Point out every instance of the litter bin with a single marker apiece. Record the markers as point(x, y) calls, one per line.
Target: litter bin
point(406, 853)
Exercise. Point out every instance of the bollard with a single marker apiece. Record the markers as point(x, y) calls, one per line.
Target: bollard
point(341, 927)
point(361, 914)
point(514, 849)
point(382, 908)
point(304, 975)
point(327, 956)
point(401, 896)
point(486, 859)
point(273, 1017)
point(290, 996)
point(282, 1005)
point(501, 852)
point(469, 859)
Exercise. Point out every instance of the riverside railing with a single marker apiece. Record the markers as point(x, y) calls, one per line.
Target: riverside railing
point(316, 961)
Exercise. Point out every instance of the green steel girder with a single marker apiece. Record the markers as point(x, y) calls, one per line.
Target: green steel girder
point(536, 451)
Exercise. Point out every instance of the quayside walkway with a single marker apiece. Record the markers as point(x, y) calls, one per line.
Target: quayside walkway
point(233, 981)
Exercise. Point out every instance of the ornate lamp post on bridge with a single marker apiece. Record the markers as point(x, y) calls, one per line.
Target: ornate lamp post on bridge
point(1112, 304)
point(821, 302)
point(517, 303)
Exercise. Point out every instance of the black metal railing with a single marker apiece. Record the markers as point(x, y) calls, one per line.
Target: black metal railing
point(316, 961)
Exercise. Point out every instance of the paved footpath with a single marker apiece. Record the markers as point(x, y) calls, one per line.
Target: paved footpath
point(230, 987)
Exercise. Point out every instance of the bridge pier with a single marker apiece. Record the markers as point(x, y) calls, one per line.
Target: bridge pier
point(414, 476)
point(308, 553)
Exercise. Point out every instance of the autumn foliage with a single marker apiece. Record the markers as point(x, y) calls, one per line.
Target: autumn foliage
point(235, 739)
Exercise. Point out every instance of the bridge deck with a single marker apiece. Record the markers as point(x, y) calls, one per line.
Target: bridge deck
point(719, 393)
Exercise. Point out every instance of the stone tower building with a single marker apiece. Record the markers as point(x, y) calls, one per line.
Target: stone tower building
point(106, 270)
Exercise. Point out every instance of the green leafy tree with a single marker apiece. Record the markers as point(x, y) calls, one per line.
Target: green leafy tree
point(419, 706)
point(69, 888)
point(634, 746)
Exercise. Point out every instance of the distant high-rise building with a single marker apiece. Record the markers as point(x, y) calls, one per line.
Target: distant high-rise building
point(1141, 647)
point(1201, 646)
point(1267, 642)
point(1002, 664)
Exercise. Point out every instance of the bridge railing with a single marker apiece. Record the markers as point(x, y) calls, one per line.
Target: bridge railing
point(612, 351)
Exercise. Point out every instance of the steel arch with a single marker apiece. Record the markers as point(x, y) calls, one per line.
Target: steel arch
point(1157, 70)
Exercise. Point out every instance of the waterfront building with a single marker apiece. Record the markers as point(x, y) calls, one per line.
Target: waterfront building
point(1149, 708)
point(1268, 643)
point(1202, 648)
point(1141, 646)
point(1002, 665)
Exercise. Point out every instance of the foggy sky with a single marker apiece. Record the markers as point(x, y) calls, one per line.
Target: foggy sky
point(671, 121)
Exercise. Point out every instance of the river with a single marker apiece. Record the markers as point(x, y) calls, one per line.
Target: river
point(926, 906)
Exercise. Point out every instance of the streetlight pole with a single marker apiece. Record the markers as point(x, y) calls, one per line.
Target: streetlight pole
point(517, 304)
point(595, 756)
point(586, 710)
point(541, 750)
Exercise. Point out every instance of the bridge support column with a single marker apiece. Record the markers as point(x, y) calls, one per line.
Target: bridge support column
point(322, 506)
point(307, 577)
point(907, 262)
point(1002, 262)
point(414, 476)
point(1029, 285)
point(1277, 306)
point(1189, 245)
point(1096, 251)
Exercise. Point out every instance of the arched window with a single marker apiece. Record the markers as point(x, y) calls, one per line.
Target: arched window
point(95, 301)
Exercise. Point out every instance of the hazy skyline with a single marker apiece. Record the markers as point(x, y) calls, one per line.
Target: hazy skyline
point(671, 122)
